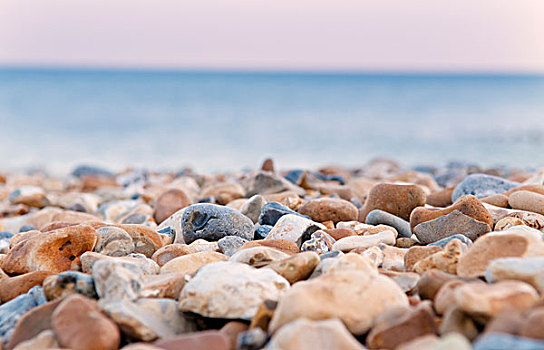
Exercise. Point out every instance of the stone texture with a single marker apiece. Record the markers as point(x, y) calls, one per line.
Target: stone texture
point(445, 260)
point(361, 242)
point(188, 264)
point(355, 297)
point(258, 256)
point(529, 270)
point(54, 251)
point(230, 290)
point(467, 205)
point(533, 325)
point(490, 300)
point(398, 325)
point(231, 244)
point(68, 283)
point(527, 200)
point(212, 222)
point(296, 267)
point(33, 196)
point(80, 325)
point(117, 280)
point(482, 185)
point(377, 217)
point(451, 341)
point(304, 334)
point(518, 241)
point(448, 225)
point(294, 228)
point(329, 209)
point(457, 321)
point(113, 241)
point(319, 242)
point(418, 253)
point(431, 281)
point(444, 241)
point(398, 200)
point(252, 207)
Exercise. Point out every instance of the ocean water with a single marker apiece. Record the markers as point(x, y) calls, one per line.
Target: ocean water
point(230, 120)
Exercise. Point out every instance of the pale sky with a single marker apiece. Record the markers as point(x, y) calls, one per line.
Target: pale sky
point(405, 35)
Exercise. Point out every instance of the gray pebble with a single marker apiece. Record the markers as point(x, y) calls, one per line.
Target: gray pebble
point(381, 217)
point(482, 185)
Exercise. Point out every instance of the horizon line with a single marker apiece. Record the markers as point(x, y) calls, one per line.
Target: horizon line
point(268, 70)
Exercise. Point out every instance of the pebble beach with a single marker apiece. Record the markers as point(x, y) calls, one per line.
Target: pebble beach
point(379, 256)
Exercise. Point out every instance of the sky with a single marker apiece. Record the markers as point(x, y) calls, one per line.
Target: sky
point(366, 35)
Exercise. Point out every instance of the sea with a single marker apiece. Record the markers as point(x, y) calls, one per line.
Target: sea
point(56, 119)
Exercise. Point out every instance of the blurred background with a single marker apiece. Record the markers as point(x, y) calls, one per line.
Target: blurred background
point(220, 85)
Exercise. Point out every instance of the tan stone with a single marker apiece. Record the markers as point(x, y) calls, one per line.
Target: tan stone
point(498, 200)
point(296, 267)
point(12, 287)
point(258, 256)
point(167, 285)
point(445, 260)
point(189, 263)
point(282, 245)
point(333, 209)
point(527, 200)
point(224, 192)
point(171, 251)
point(418, 253)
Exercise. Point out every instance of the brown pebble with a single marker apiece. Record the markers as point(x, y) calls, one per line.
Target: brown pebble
point(282, 245)
point(441, 198)
point(169, 202)
point(398, 200)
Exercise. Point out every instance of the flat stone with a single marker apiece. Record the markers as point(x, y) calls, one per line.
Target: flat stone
point(329, 209)
point(113, 241)
point(361, 242)
point(231, 244)
point(491, 299)
point(252, 207)
point(68, 283)
point(398, 325)
point(355, 297)
point(273, 211)
point(54, 251)
point(304, 334)
point(482, 185)
point(377, 217)
point(258, 256)
point(230, 290)
point(398, 200)
point(79, 324)
point(188, 264)
point(529, 270)
point(212, 222)
point(170, 202)
point(294, 228)
point(448, 225)
point(518, 241)
point(296, 267)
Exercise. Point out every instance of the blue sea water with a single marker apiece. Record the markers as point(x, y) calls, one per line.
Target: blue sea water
point(230, 120)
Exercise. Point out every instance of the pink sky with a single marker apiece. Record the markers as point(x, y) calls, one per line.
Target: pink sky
point(448, 35)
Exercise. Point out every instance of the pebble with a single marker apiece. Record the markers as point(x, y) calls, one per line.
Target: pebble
point(264, 182)
point(329, 209)
point(398, 200)
point(448, 225)
point(342, 294)
point(320, 242)
point(213, 222)
point(224, 192)
point(251, 339)
point(252, 207)
point(377, 217)
point(518, 241)
point(117, 280)
point(442, 242)
point(445, 260)
point(191, 262)
point(170, 202)
point(529, 270)
point(44, 340)
point(282, 245)
point(113, 241)
point(418, 253)
point(304, 334)
point(12, 287)
point(482, 185)
point(145, 265)
point(496, 341)
point(79, 324)
point(273, 211)
point(33, 196)
point(205, 340)
point(297, 267)
point(54, 251)
point(294, 228)
point(261, 231)
point(231, 244)
point(68, 283)
point(258, 256)
point(362, 242)
point(527, 200)
point(230, 290)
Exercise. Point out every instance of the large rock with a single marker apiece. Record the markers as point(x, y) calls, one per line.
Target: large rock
point(482, 185)
point(294, 228)
point(449, 225)
point(213, 222)
point(489, 300)
point(54, 251)
point(355, 297)
point(398, 200)
point(230, 290)
point(304, 334)
point(329, 209)
point(518, 241)
point(79, 324)
point(529, 270)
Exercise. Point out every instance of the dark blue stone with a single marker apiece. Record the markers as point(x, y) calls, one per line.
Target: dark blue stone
point(294, 176)
point(273, 211)
point(337, 178)
point(26, 228)
point(262, 231)
point(5, 234)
